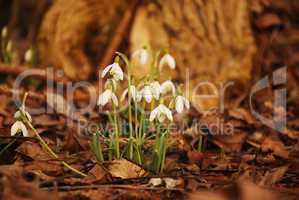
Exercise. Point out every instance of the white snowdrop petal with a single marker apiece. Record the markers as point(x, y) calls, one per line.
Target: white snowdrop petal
point(155, 89)
point(142, 55)
point(117, 72)
point(104, 97)
point(19, 126)
point(167, 86)
point(17, 114)
point(124, 94)
point(154, 113)
point(179, 104)
point(167, 59)
point(29, 118)
point(147, 94)
point(106, 70)
point(187, 103)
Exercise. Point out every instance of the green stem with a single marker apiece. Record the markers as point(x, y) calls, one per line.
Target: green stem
point(7, 146)
point(199, 148)
point(138, 140)
point(50, 151)
point(116, 133)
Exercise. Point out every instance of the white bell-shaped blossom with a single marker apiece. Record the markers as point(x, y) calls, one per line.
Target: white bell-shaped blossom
point(147, 94)
point(142, 55)
point(28, 55)
point(106, 96)
point(18, 114)
point(115, 71)
point(4, 32)
point(156, 89)
point(135, 94)
point(181, 103)
point(168, 60)
point(161, 113)
point(168, 86)
point(19, 126)
point(151, 91)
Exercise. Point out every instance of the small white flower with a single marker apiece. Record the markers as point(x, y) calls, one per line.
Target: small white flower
point(180, 103)
point(18, 115)
point(142, 55)
point(135, 94)
point(151, 91)
point(106, 96)
point(167, 86)
point(4, 32)
point(28, 55)
point(115, 71)
point(160, 113)
point(17, 127)
point(167, 59)
point(155, 89)
point(9, 46)
point(146, 93)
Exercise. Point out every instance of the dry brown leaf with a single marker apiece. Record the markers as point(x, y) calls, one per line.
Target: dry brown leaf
point(276, 146)
point(123, 168)
point(273, 176)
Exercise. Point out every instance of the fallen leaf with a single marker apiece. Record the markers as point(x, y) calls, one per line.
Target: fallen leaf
point(124, 169)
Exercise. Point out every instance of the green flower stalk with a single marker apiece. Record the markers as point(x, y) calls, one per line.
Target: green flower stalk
point(24, 118)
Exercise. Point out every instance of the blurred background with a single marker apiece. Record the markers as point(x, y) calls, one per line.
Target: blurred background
point(214, 40)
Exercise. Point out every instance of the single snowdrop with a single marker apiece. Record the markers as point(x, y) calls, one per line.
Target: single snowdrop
point(155, 89)
point(135, 94)
point(28, 57)
point(17, 127)
point(115, 71)
point(168, 86)
point(106, 96)
point(161, 113)
point(22, 113)
point(151, 91)
point(168, 60)
point(142, 55)
point(146, 93)
point(4, 32)
point(181, 103)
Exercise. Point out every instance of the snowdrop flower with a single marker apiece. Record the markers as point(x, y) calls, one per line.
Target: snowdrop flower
point(17, 127)
point(28, 55)
point(135, 94)
point(142, 55)
point(156, 89)
point(167, 59)
point(146, 93)
point(160, 113)
point(4, 32)
point(167, 86)
point(151, 91)
point(180, 103)
point(106, 96)
point(21, 113)
point(115, 71)
point(9, 46)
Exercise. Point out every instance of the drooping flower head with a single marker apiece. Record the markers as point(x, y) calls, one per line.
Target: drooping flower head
point(168, 86)
point(151, 91)
point(106, 96)
point(17, 127)
point(142, 55)
point(115, 71)
point(161, 113)
point(168, 60)
point(135, 94)
point(181, 103)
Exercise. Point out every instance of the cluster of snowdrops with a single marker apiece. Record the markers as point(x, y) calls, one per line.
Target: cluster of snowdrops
point(149, 111)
